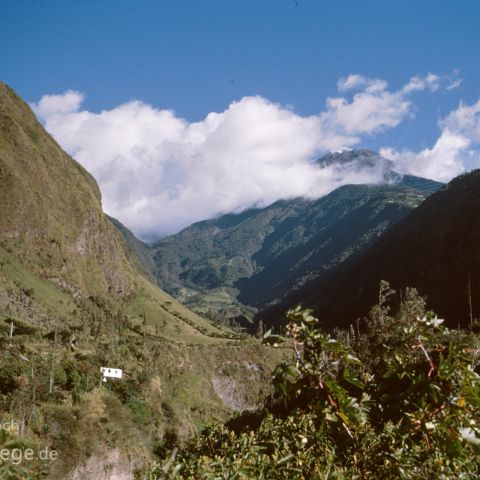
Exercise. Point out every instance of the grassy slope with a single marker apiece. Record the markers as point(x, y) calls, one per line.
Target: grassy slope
point(165, 316)
point(170, 361)
point(51, 218)
point(64, 267)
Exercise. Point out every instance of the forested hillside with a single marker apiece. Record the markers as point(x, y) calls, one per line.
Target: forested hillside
point(397, 398)
point(435, 248)
point(240, 263)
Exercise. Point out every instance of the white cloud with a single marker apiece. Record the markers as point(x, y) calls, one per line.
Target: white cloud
point(375, 108)
point(455, 151)
point(367, 112)
point(441, 162)
point(465, 120)
point(417, 84)
point(454, 84)
point(67, 102)
point(355, 81)
point(159, 173)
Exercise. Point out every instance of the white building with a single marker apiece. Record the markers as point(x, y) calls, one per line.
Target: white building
point(110, 373)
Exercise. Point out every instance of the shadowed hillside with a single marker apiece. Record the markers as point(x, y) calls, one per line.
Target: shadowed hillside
point(436, 249)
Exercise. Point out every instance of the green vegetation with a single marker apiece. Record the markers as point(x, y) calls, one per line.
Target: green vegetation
point(396, 399)
point(170, 357)
point(74, 298)
point(234, 265)
point(434, 248)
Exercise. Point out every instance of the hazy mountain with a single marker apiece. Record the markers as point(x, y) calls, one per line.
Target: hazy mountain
point(256, 258)
point(435, 249)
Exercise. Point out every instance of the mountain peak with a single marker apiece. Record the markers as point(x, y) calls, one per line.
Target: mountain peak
point(361, 160)
point(347, 155)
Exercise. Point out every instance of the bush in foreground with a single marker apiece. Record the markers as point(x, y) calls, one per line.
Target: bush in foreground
point(398, 400)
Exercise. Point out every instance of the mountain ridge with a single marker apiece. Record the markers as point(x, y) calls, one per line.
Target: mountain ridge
point(434, 249)
point(236, 264)
point(54, 229)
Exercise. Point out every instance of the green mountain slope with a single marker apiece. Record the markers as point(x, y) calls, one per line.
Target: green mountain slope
point(51, 211)
point(140, 249)
point(51, 218)
point(77, 298)
point(240, 263)
point(436, 249)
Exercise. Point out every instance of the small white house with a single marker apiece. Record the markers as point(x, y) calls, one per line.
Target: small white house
point(110, 373)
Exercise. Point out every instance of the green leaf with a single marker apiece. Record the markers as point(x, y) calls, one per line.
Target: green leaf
point(347, 375)
point(270, 339)
point(332, 345)
point(285, 459)
point(351, 359)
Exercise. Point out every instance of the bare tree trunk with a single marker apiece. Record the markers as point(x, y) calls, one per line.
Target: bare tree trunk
point(52, 367)
point(11, 333)
point(469, 292)
point(33, 384)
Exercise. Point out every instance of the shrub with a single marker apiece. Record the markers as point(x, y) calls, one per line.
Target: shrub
point(413, 414)
point(10, 371)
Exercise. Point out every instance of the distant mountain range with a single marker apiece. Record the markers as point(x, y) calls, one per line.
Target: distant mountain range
point(238, 264)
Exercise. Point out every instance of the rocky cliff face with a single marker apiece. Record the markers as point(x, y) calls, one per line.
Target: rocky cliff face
point(112, 465)
point(51, 215)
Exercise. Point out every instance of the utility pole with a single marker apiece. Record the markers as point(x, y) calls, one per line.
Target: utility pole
point(10, 335)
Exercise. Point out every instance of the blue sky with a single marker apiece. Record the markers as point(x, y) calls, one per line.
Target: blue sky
point(198, 56)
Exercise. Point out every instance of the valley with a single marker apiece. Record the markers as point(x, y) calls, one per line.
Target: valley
point(200, 322)
point(234, 267)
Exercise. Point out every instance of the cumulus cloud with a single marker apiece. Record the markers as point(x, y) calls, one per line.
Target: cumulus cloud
point(368, 112)
point(375, 108)
point(355, 81)
point(67, 102)
point(465, 120)
point(159, 173)
point(455, 151)
point(441, 162)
